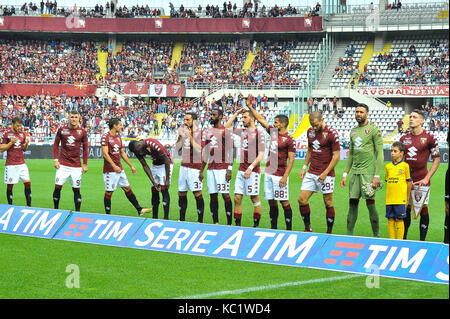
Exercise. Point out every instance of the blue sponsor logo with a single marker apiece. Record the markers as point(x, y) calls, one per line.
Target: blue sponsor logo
point(31, 221)
point(99, 229)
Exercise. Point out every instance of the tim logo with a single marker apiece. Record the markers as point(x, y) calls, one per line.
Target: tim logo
point(78, 226)
point(344, 254)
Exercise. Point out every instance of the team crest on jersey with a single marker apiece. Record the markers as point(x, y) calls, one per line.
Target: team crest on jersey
point(367, 130)
point(283, 139)
point(325, 134)
point(79, 132)
point(400, 171)
point(423, 140)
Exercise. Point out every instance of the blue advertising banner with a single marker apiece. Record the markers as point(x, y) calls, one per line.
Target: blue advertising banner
point(102, 229)
point(240, 243)
point(424, 261)
point(385, 257)
point(403, 259)
point(31, 221)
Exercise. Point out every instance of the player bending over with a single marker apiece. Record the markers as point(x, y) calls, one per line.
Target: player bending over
point(159, 173)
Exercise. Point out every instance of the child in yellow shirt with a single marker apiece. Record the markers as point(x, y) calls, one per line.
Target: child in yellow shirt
point(398, 190)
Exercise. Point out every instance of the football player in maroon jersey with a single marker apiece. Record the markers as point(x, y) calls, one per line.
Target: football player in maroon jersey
point(420, 144)
point(72, 138)
point(189, 146)
point(15, 142)
point(113, 174)
point(218, 154)
point(159, 173)
point(322, 156)
point(248, 177)
point(280, 161)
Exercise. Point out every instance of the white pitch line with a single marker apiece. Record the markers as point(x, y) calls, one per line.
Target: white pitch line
point(267, 287)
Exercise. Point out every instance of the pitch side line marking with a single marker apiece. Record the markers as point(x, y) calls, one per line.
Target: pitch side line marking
point(267, 287)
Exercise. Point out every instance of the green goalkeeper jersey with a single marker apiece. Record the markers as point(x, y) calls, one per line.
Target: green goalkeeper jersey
point(366, 150)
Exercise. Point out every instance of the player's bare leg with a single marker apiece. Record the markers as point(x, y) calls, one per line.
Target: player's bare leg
point(287, 214)
point(305, 210)
point(330, 213)
point(200, 205)
point(257, 209)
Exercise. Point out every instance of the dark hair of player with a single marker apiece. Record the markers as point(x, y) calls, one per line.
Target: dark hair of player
point(315, 116)
point(193, 115)
point(218, 111)
point(364, 106)
point(249, 114)
point(112, 122)
point(400, 146)
point(421, 114)
point(132, 146)
point(17, 119)
point(74, 112)
point(283, 119)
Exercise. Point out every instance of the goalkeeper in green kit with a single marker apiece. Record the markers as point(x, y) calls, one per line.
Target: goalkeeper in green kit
point(364, 163)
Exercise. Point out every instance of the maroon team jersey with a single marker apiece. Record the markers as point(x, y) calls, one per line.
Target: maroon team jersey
point(114, 144)
point(14, 155)
point(190, 157)
point(155, 150)
point(220, 143)
point(71, 141)
point(418, 150)
point(252, 142)
point(321, 146)
point(280, 146)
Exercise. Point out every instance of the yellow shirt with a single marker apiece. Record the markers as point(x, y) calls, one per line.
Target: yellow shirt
point(397, 176)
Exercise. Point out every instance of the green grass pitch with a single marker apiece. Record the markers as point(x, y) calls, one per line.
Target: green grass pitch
point(36, 268)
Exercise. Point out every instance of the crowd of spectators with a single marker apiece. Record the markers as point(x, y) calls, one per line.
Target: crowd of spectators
point(422, 70)
point(438, 114)
point(251, 9)
point(136, 61)
point(37, 61)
